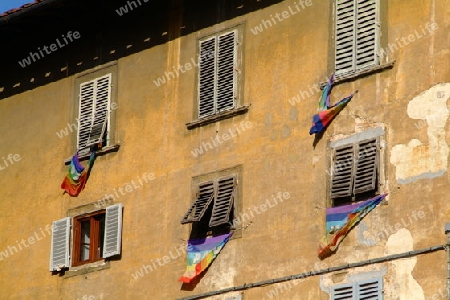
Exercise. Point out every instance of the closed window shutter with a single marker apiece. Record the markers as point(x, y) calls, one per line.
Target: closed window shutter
point(59, 253)
point(224, 201)
point(100, 109)
point(366, 166)
point(367, 34)
point(343, 171)
point(226, 71)
point(207, 77)
point(201, 204)
point(370, 289)
point(345, 36)
point(87, 99)
point(343, 292)
point(113, 230)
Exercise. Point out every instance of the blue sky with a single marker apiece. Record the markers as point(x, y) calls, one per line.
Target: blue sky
point(6, 5)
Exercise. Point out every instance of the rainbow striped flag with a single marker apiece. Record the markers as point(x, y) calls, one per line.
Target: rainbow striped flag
point(327, 112)
point(201, 253)
point(77, 175)
point(341, 219)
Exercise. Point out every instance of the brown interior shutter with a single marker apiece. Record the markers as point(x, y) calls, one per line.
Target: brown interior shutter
point(342, 171)
point(224, 201)
point(198, 208)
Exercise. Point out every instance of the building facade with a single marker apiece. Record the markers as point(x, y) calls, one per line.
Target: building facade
point(199, 112)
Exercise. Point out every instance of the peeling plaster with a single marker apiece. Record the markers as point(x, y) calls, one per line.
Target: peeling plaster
point(401, 285)
point(417, 160)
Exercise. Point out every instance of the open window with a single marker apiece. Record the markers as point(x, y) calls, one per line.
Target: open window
point(96, 236)
point(212, 211)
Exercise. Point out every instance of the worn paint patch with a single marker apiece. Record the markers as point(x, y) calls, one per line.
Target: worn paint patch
point(419, 160)
point(401, 284)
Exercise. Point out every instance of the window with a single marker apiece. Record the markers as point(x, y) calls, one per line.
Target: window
point(94, 108)
point(357, 34)
point(217, 76)
point(96, 236)
point(212, 211)
point(368, 290)
point(88, 237)
point(355, 167)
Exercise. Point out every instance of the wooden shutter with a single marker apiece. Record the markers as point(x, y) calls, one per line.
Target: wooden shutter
point(201, 204)
point(207, 78)
point(59, 253)
point(367, 33)
point(113, 231)
point(345, 36)
point(342, 171)
point(224, 201)
point(343, 292)
point(226, 71)
point(370, 289)
point(366, 166)
point(87, 99)
point(100, 109)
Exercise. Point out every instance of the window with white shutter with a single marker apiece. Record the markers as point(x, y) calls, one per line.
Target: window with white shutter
point(356, 35)
point(213, 207)
point(94, 111)
point(217, 76)
point(371, 289)
point(355, 171)
point(96, 235)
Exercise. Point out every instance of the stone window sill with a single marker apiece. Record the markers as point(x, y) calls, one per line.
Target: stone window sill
point(359, 74)
point(88, 268)
point(220, 116)
point(103, 151)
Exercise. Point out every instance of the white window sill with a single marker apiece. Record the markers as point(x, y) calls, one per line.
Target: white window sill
point(221, 116)
point(87, 268)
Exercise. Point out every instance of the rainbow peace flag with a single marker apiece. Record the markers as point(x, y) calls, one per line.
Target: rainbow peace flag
point(77, 175)
point(340, 220)
point(201, 253)
point(327, 112)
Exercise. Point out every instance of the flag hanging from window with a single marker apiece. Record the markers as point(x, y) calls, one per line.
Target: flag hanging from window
point(201, 253)
point(77, 175)
point(327, 112)
point(341, 219)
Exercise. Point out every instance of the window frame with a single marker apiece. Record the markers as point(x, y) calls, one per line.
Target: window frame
point(238, 105)
point(109, 137)
point(94, 238)
point(355, 69)
point(354, 141)
point(198, 229)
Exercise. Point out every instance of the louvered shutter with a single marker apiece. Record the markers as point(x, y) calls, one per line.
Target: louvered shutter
point(367, 34)
point(366, 166)
point(226, 71)
point(59, 253)
point(87, 99)
point(342, 171)
point(224, 201)
point(201, 204)
point(113, 230)
point(343, 292)
point(345, 36)
point(100, 109)
point(370, 289)
point(207, 78)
